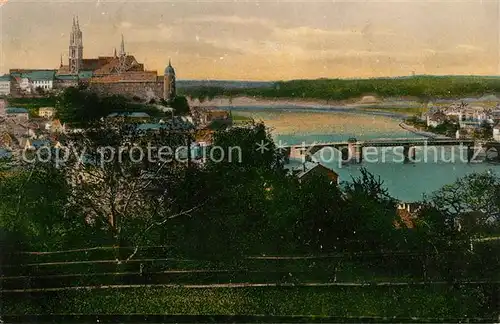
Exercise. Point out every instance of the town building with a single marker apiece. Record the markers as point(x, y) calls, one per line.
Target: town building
point(204, 116)
point(19, 114)
point(46, 112)
point(5, 85)
point(3, 105)
point(435, 120)
point(31, 81)
point(55, 126)
point(311, 170)
point(496, 132)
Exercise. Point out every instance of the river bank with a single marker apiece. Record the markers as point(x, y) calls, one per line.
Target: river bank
point(415, 131)
point(362, 103)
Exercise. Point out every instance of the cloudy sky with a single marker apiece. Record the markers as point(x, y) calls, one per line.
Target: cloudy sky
point(265, 40)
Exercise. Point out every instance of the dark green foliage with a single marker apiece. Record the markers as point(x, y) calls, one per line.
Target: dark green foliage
point(336, 89)
point(180, 105)
point(81, 108)
point(392, 302)
point(484, 132)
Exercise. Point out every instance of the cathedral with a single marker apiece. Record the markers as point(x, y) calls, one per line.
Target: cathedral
point(120, 73)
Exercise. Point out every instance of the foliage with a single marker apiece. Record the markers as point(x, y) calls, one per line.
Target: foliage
point(423, 87)
point(447, 128)
point(80, 108)
point(180, 105)
point(473, 201)
point(484, 132)
point(419, 302)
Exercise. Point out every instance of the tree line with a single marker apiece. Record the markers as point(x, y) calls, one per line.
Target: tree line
point(422, 87)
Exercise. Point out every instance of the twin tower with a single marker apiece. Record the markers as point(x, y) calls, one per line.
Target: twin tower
point(77, 63)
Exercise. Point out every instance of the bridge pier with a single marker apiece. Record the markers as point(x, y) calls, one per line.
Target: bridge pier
point(470, 153)
point(286, 154)
point(409, 153)
point(355, 151)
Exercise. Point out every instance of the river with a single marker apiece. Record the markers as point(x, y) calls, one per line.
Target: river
point(407, 182)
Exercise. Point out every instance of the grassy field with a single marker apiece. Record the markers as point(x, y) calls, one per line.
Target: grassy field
point(241, 119)
point(425, 302)
point(287, 295)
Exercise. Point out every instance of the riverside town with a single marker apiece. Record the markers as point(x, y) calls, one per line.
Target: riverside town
point(249, 162)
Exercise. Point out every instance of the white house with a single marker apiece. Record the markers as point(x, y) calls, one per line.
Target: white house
point(5, 85)
point(42, 79)
point(496, 132)
point(30, 81)
point(25, 85)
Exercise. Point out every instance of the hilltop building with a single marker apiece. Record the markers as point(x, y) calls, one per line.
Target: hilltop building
point(4, 85)
point(120, 74)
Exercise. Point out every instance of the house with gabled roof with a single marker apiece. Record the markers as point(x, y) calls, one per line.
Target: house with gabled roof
point(20, 114)
point(312, 169)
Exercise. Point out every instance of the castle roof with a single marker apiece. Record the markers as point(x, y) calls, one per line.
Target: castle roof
point(34, 75)
point(5, 77)
point(113, 64)
point(67, 77)
point(169, 69)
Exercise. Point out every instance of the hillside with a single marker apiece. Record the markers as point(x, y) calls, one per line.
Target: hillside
point(422, 87)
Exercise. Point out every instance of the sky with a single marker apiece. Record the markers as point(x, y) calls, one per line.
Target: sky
point(262, 40)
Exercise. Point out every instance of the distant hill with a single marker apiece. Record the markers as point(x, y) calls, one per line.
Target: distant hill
point(225, 84)
point(424, 87)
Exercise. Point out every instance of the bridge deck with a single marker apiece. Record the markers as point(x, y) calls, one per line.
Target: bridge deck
point(398, 142)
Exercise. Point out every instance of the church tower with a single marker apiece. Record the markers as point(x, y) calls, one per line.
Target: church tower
point(122, 57)
point(75, 48)
point(169, 91)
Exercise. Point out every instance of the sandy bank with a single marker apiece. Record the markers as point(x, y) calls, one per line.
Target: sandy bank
point(250, 101)
point(421, 133)
point(298, 103)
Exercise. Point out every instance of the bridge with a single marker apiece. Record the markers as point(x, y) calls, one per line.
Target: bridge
point(352, 149)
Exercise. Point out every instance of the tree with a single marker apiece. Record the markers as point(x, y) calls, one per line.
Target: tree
point(180, 105)
point(472, 202)
point(484, 132)
point(79, 108)
point(29, 212)
point(40, 90)
point(123, 184)
point(371, 210)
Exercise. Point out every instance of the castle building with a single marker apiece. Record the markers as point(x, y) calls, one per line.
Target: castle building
point(75, 48)
point(119, 74)
point(169, 90)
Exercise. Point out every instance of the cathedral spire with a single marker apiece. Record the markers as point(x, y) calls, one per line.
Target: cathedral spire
point(114, 52)
point(122, 47)
point(77, 23)
point(61, 61)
